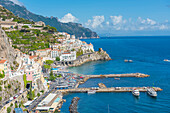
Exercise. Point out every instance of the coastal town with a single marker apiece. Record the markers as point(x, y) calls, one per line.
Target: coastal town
point(33, 66)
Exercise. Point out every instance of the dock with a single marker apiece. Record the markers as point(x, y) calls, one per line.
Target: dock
point(112, 89)
point(137, 75)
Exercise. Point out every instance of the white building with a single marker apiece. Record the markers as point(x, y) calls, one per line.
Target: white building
point(68, 56)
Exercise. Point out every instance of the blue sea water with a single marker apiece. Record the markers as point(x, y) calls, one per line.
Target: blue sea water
point(147, 54)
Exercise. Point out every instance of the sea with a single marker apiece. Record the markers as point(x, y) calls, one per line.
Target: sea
point(147, 53)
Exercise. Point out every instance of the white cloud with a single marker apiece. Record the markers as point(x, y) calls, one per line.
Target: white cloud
point(163, 27)
point(96, 22)
point(146, 21)
point(68, 18)
point(151, 22)
point(116, 19)
point(119, 24)
point(17, 2)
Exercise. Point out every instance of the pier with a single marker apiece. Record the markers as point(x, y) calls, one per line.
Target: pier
point(112, 89)
point(137, 75)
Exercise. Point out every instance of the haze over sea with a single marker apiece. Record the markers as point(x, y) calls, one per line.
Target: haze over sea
point(147, 54)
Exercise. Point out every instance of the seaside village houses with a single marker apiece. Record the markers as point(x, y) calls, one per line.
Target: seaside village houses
point(66, 48)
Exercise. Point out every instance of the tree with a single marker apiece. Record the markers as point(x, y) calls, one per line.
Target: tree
point(49, 62)
point(8, 110)
point(16, 106)
point(38, 94)
point(52, 77)
point(52, 29)
point(57, 58)
point(30, 94)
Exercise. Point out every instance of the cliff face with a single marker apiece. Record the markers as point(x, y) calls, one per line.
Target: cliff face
point(6, 51)
point(98, 55)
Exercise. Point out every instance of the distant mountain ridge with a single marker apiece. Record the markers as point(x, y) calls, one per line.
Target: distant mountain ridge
point(72, 28)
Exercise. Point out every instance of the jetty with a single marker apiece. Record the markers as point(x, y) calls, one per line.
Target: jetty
point(138, 75)
point(112, 89)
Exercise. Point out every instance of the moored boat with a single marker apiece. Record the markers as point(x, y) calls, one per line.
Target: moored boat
point(152, 92)
point(136, 92)
point(91, 92)
point(166, 60)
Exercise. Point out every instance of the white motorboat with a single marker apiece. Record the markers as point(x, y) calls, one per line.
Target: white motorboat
point(91, 92)
point(136, 92)
point(151, 92)
point(166, 60)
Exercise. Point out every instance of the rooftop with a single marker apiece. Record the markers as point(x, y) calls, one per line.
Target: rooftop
point(2, 61)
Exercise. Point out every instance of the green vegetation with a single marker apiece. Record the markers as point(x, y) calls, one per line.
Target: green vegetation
point(57, 58)
point(38, 94)
point(79, 52)
point(25, 80)
point(16, 106)
point(58, 76)
point(2, 75)
point(42, 91)
point(9, 86)
point(52, 77)
point(47, 66)
point(31, 94)
point(49, 62)
point(0, 88)
point(25, 26)
point(8, 110)
point(32, 40)
point(11, 105)
point(0, 98)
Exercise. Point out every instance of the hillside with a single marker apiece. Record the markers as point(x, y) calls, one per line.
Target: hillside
point(71, 28)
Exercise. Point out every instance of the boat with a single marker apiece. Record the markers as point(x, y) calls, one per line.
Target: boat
point(166, 60)
point(91, 92)
point(152, 92)
point(117, 78)
point(126, 60)
point(136, 92)
point(130, 60)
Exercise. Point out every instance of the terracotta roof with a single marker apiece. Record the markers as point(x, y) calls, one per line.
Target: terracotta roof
point(90, 44)
point(2, 61)
point(31, 57)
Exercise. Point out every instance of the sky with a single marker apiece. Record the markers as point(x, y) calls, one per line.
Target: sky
point(115, 17)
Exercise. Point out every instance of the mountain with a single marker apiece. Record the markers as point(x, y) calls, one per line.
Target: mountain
point(72, 28)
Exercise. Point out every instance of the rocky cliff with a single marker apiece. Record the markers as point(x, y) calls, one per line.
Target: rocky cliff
point(6, 50)
point(98, 55)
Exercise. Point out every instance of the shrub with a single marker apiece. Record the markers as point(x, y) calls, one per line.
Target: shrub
point(11, 105)
point(16, 106)
point(9, 86)
point(8, 110)
point(38, 94)
point(57, 58)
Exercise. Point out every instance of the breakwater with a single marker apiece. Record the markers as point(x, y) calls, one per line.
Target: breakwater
point(73, 106)
point(138, 75)
point(112, 89)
